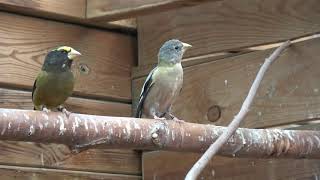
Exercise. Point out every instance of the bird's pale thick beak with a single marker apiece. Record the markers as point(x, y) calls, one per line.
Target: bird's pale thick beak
point(186, 46)
point(73, 54)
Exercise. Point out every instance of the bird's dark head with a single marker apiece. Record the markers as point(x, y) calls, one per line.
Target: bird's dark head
point(60, 59)
point(172, 51)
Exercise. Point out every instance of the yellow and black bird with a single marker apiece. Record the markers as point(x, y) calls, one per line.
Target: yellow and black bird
point(55, 82)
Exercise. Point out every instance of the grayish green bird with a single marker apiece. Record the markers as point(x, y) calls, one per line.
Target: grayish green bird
point(163, 83)
point(55, 82)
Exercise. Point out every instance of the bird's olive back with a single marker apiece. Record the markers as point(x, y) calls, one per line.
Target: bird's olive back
point(171, 52)
point(57, 61)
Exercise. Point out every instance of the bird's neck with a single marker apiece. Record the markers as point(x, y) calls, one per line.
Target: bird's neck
point(167, 63)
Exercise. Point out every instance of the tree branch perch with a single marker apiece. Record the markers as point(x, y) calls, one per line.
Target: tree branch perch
point(81, 130)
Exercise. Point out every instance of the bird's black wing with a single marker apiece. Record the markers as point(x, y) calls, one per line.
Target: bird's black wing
point(144, 92)
point(33, 89)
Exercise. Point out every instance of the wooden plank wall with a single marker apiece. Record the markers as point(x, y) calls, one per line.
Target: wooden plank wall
point(227, 25)
point(73, 11)
point(220, 68)
point(103, 89)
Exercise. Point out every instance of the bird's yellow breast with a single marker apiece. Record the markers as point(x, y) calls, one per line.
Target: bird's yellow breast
point(52, 89)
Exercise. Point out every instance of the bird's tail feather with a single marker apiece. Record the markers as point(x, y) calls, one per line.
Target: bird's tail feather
point(138, 114)
point(36, 107)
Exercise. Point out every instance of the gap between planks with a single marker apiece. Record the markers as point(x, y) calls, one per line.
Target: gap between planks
point(298, 124)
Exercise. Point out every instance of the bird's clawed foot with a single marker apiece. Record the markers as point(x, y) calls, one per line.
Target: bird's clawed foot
point(159, 118)
point(178, 120)
point(64, 111)
point(46, 110)
point(172, 117)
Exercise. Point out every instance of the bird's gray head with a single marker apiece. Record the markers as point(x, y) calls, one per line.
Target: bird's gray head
point(171, 52)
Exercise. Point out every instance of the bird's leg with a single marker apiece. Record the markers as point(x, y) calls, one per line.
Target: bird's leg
point(64, 111)
point(155, 115)
point(45, 109)
point(160, 118)
point(172, 117)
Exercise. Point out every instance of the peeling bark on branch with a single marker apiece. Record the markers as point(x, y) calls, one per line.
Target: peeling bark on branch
point(119, 132)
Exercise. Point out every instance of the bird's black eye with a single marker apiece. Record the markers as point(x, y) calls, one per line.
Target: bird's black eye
point(176, 48)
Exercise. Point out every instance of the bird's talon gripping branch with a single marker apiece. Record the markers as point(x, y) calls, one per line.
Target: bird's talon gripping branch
point(178, 120)
point(159, 118)
point(172, 117)
point(64, 111)
point(46, 110)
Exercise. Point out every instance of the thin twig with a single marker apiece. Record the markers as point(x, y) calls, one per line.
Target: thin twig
point(233, 126)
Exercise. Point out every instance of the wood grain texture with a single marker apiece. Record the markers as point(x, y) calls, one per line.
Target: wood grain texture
point(60, 156)
point(227, 25)
point(172, 165)
point(143, 70)
point(25, 173)
point(130, 24)
point(22, 100)
point(69, 11)
point(288, 93)
point(24, 42)
point(100, 10)
point(70, 8)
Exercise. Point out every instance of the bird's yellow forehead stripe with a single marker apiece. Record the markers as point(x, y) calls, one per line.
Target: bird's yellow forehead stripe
point(65, 48)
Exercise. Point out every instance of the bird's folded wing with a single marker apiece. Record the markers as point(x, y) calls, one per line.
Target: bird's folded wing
point(144, 92)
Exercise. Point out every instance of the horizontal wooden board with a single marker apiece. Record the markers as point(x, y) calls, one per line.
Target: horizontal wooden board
point(71, 8)
point(24, 41)
point(25, 173)
point(140, 71)
point(172, 165)
point(60, 156)
point(98, 10)
point(22, 100)
point(289, 91)
point(70, 11)
point(227, 25)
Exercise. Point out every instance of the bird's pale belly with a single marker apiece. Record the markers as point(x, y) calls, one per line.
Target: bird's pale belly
point(162, 95)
